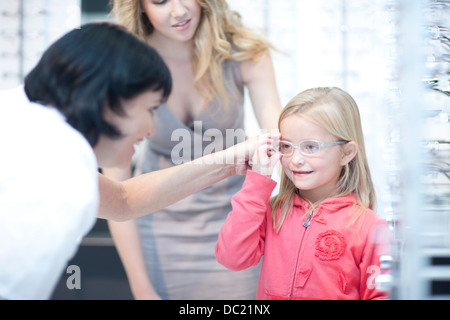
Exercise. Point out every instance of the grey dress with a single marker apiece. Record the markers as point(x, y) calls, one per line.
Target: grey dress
point(179, 242)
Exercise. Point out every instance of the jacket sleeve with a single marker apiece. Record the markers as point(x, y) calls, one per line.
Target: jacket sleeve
point(378, 244)
point(241, 238)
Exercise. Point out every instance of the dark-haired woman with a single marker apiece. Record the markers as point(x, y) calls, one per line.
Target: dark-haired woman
point(89, 99)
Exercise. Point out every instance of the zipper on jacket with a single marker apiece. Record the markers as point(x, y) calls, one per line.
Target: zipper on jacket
point(296, 263)
point(307, 222)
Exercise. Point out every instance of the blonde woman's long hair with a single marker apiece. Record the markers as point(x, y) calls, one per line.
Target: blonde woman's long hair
point(334, 110)
point(220, 36)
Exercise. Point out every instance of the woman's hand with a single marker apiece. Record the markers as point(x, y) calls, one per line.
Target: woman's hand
point(265, 157)
point(245, 152)
point(238, 158)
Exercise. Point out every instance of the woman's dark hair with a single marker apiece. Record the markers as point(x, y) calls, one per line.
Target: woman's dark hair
point(92, 68)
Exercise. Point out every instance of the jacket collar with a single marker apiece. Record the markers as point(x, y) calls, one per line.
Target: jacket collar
point(330, 205)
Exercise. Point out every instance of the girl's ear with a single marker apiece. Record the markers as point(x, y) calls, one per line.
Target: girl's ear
point(350, 149)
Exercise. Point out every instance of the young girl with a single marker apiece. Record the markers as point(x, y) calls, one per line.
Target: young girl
point(319, 236)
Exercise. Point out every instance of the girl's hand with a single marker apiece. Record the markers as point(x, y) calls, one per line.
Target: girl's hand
point(243, 154)
point(265, 158)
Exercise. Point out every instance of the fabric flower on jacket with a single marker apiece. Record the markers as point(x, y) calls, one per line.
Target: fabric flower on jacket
point(330, 245)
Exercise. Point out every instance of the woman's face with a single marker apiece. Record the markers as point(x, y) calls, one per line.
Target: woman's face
point(134, 126)
point(173, 19)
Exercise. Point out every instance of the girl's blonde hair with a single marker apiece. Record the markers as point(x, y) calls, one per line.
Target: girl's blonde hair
point(334, 110)
point(220, 36)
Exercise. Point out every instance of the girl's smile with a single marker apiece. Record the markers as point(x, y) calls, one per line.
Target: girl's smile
point(301, 173)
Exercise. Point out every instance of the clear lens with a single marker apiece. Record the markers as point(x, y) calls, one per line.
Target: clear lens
point(307, 147)
point(285, 148)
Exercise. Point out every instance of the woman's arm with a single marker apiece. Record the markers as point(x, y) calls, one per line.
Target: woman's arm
point(128, 244)
point(155, 190)
point(259, 77)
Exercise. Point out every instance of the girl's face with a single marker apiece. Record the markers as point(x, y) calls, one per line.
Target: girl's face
point(134, 126)
point(315, 175)
point(173, 19)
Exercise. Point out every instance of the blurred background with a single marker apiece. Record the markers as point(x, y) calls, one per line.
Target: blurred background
point(392, 56)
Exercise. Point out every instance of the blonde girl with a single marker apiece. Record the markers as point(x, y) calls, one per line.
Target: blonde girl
point(212, 57)
point(335, 111)
point(319, 236)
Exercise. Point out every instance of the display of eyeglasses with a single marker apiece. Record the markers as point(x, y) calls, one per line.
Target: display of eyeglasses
point(419, 151)
point(27, 27)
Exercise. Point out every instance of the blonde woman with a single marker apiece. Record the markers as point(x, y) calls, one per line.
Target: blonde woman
point(212, 57)
point(319, 236)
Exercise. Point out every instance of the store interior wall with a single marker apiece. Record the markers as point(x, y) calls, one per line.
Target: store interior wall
point(352, 44)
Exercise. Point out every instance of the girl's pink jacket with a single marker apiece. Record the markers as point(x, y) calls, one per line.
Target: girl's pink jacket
point(330, 259)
